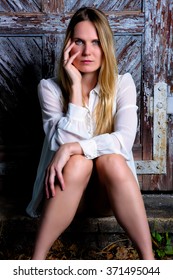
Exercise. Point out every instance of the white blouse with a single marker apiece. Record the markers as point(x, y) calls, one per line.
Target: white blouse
point(77, 125)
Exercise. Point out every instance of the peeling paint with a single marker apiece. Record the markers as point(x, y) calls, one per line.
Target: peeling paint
point(144, 41)
point(109, 5)
point(171, 143)
point(20, 5)
point(158, 164)
point(51, 23)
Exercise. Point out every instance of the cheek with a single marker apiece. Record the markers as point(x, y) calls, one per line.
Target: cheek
point(100, 56)
point(77, 59)
point(71, 52)
point(74, 50)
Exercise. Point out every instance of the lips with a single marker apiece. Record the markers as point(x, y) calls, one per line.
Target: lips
point(86, 61)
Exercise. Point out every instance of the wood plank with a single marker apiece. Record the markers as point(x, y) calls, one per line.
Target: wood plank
point(20, 72)
point(20, 5)
point(137, 28)
point(53, 6)
point(157, 50)
point(40, 23)
point(109, 5)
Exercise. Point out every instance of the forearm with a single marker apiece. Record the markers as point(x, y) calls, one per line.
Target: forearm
point(107, 144)
point(76, 95)
point(57, 164)
point(73, 148)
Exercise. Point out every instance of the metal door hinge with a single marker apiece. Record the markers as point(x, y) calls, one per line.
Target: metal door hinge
point(169, 105)
point(159, 111)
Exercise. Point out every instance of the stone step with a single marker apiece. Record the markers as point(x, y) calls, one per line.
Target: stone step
point(159, 208)
point(18, 231)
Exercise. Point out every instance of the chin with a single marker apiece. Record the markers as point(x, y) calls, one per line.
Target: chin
point(87, 69)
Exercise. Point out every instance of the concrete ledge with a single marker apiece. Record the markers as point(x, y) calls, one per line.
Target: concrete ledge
point(159, 209)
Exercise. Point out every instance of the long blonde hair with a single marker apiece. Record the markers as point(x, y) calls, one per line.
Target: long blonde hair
point(108, 71)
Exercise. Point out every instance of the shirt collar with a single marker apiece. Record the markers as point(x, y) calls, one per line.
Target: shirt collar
point(97, 89)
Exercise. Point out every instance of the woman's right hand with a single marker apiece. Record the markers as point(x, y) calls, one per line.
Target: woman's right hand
point(73, 73)
point(71, 70)
point(54, 173)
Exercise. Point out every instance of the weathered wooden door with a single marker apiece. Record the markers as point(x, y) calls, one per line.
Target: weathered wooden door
point(31, 35)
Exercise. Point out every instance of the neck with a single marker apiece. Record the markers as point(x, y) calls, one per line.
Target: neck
point(89, 81)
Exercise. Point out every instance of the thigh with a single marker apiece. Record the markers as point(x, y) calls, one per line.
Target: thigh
point(78, 169)
point(112, 168)
point(95, 200)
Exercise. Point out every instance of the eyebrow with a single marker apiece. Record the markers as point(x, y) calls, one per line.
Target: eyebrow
point(78, 38)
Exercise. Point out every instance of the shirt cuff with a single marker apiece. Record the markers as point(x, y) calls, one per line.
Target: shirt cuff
point(76, 112)
point(89, 148)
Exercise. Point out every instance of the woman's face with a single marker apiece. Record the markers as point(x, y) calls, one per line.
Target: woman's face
point(87, 42)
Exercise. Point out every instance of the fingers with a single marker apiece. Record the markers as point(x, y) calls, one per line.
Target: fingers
point(67, 57)
point(61, 180)
point(68, 48)
point(71, 59)
point(67, 51)
point(68, 44)
point(46, 184)
point(51, 181)
point(52, 176)
point(49, 184)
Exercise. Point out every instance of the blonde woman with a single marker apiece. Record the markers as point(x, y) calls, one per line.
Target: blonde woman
point(89, 119)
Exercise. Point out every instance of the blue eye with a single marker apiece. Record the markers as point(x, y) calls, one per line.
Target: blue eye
point(78, 42)
point(96, 42)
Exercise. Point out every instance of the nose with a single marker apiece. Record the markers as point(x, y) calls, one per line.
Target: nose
point(87, 49)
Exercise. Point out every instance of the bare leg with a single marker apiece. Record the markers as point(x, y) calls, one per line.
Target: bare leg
point(60, 210)
point(126, 201)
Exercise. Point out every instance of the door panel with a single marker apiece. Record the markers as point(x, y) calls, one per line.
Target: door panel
point(20, 6)
point(31, 36)
point(107, 6)
point(21, 64)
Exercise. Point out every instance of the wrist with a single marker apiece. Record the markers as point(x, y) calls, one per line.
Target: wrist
point(76, 96)
point(74, 148)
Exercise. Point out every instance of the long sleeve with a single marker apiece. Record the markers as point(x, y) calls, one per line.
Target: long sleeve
point(77, 124)
point(61, 128)
point(125, 124)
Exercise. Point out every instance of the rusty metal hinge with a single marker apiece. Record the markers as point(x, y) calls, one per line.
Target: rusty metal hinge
point(158, 109)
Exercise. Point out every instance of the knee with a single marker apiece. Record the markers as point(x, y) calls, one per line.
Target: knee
point(78, 167)
point(112, 166)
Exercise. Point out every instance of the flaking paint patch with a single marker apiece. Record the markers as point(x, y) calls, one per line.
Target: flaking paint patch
point(158, 164)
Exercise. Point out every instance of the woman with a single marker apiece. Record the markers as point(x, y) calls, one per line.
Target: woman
point(89, 118)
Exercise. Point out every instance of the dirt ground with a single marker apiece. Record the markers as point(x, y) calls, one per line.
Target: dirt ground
point(16, 243)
